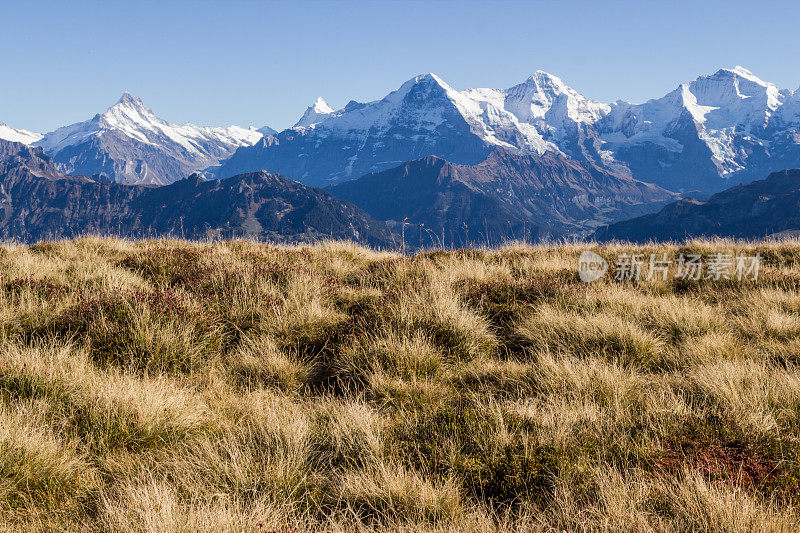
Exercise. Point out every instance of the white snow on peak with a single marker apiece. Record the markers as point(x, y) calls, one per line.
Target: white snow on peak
point(742, 97)
point(537, 113)
point(321, 106)
point(531, 116)
point(744, 73)
point(546, 97)
point(20, 136)
point(725, 107)
point(132, 118)
point(315, 113)
point(421, 105)
point(128, 99)
point(418, 103)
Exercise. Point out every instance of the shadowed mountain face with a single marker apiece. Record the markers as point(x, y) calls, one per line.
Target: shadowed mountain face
point(758, 209)
point(507, 196)
point(258, 204)
point(37, 202)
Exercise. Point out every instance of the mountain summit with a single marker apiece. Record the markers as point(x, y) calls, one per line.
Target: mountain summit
point(423, 116)
point(717, 130)
point(130, 144)
point(315, 113)
point(7, 133)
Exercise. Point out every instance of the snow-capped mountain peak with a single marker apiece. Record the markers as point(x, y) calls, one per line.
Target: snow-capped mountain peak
point(131, 116)
point(537, 114)
point(420, 104)
point(740, 89)
point(127, 99)
point(8, 133)
point(423, 89)
point(141, 147)
point(546, 97)
point(426, 102)
point(321, 106)
point(316, 112)
point(732, 116)
point(739, 70)
point(131, 108)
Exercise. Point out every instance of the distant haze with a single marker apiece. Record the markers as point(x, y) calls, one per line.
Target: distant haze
point(264, 63)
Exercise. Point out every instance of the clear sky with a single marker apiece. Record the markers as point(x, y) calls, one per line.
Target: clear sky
point(262, 63)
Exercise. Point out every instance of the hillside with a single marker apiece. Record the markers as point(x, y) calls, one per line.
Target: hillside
point(37, 201)
point(755, 210)
point(507, 196)
point(183, 386)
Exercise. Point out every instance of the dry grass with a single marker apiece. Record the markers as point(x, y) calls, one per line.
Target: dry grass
point(235, 386)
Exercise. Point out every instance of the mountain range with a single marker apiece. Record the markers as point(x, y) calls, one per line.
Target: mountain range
point(130, 144)
point(708, 134)
point(537, 160)
point(507, 196)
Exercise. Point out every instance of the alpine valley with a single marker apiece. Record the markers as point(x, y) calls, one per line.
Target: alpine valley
point(537, 161)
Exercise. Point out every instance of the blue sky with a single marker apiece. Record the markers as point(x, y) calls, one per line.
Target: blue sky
point(262, 63)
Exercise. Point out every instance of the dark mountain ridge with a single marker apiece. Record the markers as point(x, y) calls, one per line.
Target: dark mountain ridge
point(755, 210)
point(37, 202)
point(506, 196)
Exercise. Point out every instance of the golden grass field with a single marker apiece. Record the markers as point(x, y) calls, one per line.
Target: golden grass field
point(235, 386)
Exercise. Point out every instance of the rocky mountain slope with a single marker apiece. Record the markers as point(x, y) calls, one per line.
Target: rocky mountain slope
point(38, 201)
point(506, 196)
point(755, 210)
point(130, 144)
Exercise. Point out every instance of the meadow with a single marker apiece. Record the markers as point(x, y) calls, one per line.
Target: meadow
point(168, 385)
